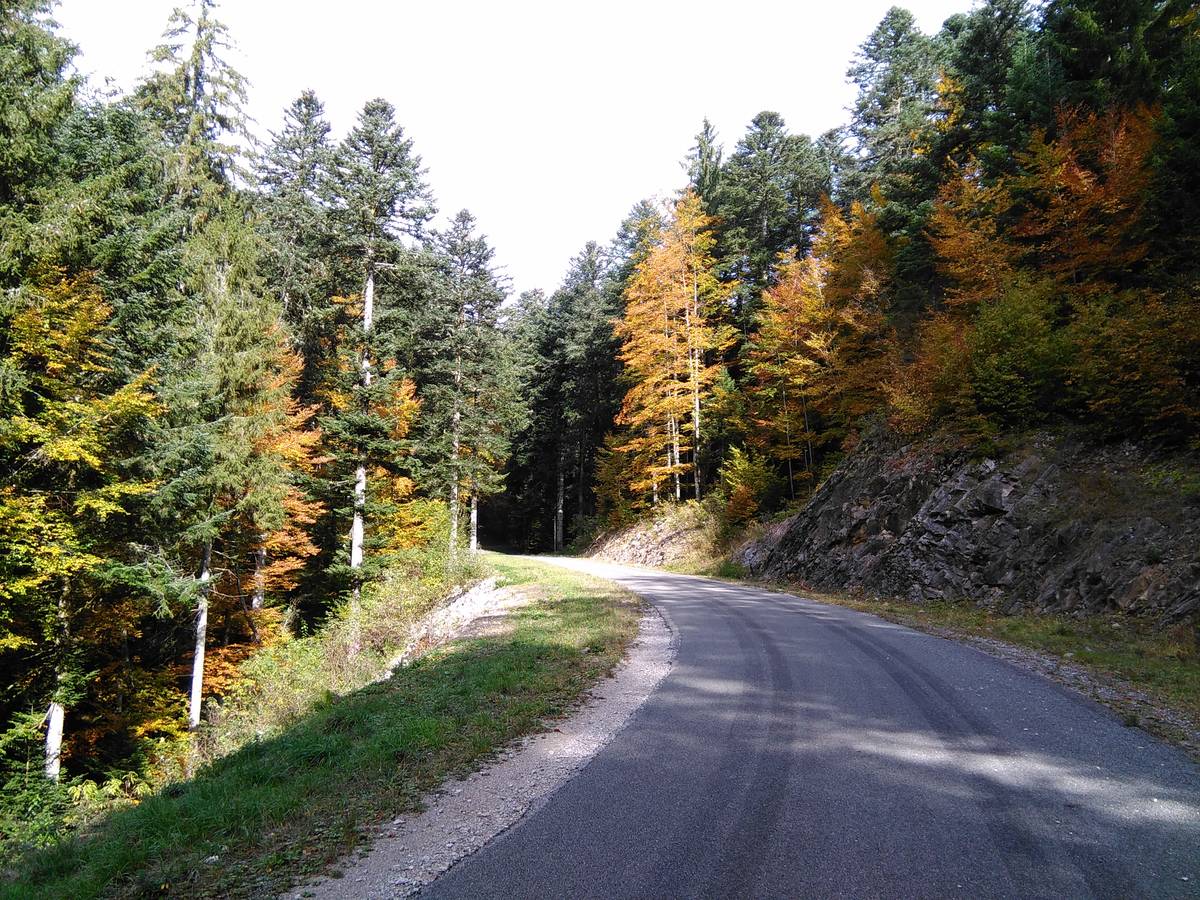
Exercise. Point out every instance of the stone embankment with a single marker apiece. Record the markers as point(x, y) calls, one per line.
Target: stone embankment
point(1053, 526)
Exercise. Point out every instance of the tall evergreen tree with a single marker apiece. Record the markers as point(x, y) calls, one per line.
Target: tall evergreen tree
point(198, 99)
point(293, 177)
point(466, 376)
point(768, 199)
point(703, 165)
point(377, 195)
point(37, 97)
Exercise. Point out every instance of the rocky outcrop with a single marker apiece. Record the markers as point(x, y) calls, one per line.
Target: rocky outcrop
point(1054, 526)
point(675, 534)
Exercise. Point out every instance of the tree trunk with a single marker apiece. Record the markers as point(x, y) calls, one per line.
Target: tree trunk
point(474, 522)
point(579, 512)
point(695, 362)
point(358, 525)
point(696, 437)
point(787, 437)
point(260, 578)
point(201, 635)
point(675, 465)
point(55, 716)
point(454, 488)
point(56, 713)
point(558, 506)
point(807, 436)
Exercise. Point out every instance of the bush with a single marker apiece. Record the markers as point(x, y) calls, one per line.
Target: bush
point(1134, 365)
point(1017, 355)
point(747, 482)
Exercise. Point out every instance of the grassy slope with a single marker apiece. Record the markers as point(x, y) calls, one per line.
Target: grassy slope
point(292, 804)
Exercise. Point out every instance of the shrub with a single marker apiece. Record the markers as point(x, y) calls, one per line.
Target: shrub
point(1016, 355)
point(747, 481)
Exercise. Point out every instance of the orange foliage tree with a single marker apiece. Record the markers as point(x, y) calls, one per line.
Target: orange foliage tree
point(816, 355)
point(671, 345)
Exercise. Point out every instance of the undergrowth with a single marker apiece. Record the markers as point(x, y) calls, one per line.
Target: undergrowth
point(331, 764)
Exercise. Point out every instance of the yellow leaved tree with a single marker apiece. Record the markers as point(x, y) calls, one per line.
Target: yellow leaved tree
point(671, 347)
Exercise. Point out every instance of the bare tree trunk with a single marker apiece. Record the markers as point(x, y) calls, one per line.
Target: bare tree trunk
point(787, 437)
point(559, 536)
point(807, 436)
point(56, 713)
point(695, 362)
point(696, 437)
point(203, 580)
point(579, 482)
point(260, 578)
point(55, 716)
point(474, 522)
point(454, 447)
point(675, 466)
point(358, 525)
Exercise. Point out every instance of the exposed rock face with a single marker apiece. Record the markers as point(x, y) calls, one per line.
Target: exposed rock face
point(676, 533)
point(1053, 527)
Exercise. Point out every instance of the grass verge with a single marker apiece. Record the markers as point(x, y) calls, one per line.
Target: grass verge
point(287, 807)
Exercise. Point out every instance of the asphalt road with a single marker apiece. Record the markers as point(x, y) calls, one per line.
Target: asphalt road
point(804, 750)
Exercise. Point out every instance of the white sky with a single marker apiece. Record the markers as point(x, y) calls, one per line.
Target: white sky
point(548, 120)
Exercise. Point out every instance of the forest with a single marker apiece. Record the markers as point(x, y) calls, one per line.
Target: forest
point(251, 397)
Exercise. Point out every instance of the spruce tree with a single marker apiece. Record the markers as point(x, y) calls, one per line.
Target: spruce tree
point(297, 261)
point(377, 195)
point(769, 192)
point(466, 376)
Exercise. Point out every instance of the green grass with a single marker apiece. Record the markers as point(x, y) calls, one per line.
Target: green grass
point(290, 805)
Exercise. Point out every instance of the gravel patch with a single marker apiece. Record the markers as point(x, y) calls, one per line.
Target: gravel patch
point(462, 816)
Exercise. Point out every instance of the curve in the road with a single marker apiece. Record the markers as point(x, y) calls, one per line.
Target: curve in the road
point(804, 750)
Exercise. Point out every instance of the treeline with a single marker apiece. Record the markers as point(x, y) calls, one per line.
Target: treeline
point(245, 390)
point(238, 385)
point(1003, 237)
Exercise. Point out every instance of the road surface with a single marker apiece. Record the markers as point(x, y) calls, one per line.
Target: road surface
point(805, 750)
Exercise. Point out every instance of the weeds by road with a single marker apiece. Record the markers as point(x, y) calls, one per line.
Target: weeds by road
point(289, 805)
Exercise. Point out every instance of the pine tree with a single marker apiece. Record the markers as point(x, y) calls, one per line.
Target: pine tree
point(770, 190)
point(376, 195)
point(197, 99)
point(38, 96)
point(297, 262)
point(569, 374)
point(466, 377)
point(703, 166)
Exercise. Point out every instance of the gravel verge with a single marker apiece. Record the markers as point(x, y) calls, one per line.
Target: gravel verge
point(462, 816)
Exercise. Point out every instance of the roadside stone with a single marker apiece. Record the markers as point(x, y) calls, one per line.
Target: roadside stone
point(1052, 527)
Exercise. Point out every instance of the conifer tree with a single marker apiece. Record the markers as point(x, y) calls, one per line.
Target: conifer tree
point(466, 376)
point(197, 99)
point(38, 96)
point(770, 190)
point(376, 194)
point(298, 256)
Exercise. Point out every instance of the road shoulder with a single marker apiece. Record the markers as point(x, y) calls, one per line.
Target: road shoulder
point(461, 817)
